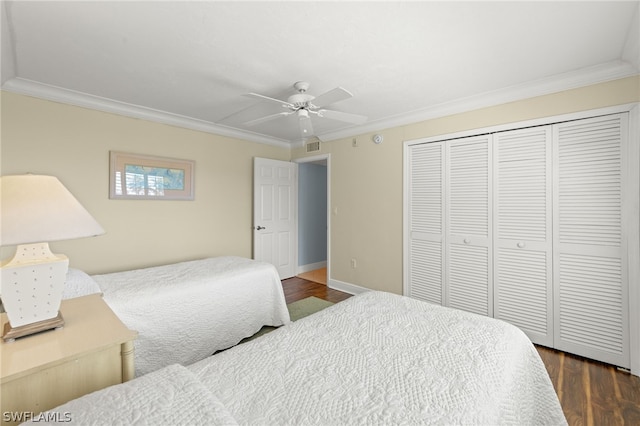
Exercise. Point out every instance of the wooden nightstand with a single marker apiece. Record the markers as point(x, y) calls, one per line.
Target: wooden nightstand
point(92, 351)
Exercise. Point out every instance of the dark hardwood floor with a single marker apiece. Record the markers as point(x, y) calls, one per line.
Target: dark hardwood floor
point(591, 393)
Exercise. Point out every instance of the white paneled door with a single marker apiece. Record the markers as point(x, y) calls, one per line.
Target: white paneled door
point(425, 215)
point(523, 238)
point(590, 242)
point(274, 214)
point(468, 221)
point(536, 226)
point(449, 213)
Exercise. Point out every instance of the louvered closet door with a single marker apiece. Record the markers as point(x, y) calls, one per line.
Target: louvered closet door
point(590, 271)
point(523, 215)
point(468, 225)
point(426, 221)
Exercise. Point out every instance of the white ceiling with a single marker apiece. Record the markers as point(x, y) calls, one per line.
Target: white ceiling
point(192, 63)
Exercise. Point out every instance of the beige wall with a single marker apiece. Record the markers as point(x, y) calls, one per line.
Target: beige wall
point(367, 188)
point(366, 181)
point(73, 144)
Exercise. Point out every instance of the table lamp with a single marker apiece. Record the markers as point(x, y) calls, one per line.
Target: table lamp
point(36, 209)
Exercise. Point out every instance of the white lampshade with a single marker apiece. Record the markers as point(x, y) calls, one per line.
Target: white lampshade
point(38, 208)
point(35, 210)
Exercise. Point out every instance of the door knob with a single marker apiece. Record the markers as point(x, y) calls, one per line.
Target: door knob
point(260, 227)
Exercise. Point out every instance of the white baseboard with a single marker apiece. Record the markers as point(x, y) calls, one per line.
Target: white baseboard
point(346, 287)
point(311, 267)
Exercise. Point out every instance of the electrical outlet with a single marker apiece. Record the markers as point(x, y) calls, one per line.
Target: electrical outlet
point(354, 263)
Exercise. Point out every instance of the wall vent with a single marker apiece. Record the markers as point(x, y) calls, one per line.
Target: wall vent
point(313, 146)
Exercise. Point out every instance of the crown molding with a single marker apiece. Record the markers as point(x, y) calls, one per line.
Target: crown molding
point(580, 78)
point(53, 93)
point(584, 77)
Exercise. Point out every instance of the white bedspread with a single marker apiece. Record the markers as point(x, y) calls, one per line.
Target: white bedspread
point(383, 359)
point(374, 359)
point(172, 396)
point(186, 311)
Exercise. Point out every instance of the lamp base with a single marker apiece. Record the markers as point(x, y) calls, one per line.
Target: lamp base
point(31, 284)
point(10, 333)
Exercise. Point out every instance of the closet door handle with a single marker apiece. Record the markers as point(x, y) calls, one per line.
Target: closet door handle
point(466, 240)
point(260, 227)
point(521, 244)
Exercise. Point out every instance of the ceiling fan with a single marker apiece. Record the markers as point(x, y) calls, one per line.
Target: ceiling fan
point(305, 105)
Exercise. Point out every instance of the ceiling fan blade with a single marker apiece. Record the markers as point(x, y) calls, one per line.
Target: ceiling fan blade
point(281, 102)
point(342, 116)
point(335, 95)
point(306, 128)
point(267, 118)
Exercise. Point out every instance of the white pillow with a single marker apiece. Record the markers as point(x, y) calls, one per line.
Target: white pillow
point(79, 283)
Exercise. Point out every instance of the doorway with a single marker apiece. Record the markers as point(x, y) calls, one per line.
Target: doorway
point(314, 194)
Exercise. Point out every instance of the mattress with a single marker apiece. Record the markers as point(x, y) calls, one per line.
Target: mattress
point(184, 312)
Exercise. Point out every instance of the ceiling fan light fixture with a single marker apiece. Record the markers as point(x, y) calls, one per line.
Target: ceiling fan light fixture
point(304, 122)
point(305, 104)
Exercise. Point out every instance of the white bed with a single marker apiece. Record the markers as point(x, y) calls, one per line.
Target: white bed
point(186, 311)
point(374, 359)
